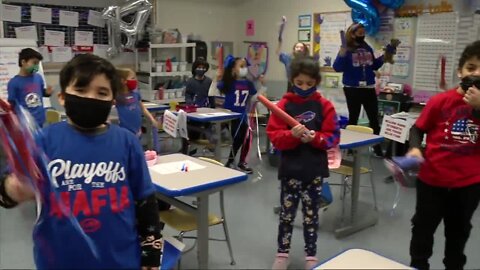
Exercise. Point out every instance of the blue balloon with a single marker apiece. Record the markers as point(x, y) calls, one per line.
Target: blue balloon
point(365, 13)
point(393, 4)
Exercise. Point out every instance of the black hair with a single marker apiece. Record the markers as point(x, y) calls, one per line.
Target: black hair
point(200, 62)
point(228, 78)
point(27, 54)
point(84, 67)
point(472, 50)
point(305, 65)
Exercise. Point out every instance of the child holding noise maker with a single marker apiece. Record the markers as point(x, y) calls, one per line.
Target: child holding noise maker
point(101, 177)
point(448, 183)
point(238, 92)
point(304, 162)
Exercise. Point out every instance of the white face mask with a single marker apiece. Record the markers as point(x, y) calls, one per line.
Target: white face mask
point(242, 73)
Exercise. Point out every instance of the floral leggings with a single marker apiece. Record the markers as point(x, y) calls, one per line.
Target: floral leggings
point(292, 191)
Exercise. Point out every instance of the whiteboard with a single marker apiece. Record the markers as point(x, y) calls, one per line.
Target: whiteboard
point(9, 49)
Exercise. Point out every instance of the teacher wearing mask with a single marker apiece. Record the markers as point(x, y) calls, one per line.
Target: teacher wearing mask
point(358, 63)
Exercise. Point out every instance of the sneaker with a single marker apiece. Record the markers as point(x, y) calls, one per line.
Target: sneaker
point(244, 168)
point(310, 262)
point(280, 262)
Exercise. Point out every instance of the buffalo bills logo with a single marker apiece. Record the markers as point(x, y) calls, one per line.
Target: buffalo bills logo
point(90, 225)
point(305, 117)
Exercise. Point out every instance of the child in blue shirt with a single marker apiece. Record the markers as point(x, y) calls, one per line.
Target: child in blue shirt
point(129, 104)
point(27, 89)
point(101, 178)
point(238, 92)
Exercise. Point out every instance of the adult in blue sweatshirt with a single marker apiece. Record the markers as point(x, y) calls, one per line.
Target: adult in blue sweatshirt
point(358, 63)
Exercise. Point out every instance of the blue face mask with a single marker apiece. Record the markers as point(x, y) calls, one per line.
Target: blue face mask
point(304, 93)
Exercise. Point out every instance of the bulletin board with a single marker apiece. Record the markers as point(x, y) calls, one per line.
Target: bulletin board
point(326, 35)
point(100, 35)
point(436, 37)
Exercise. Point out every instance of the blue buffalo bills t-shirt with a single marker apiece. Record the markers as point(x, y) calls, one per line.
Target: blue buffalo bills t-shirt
point(27, 91)
point(130, 111)
point(236, 98)
point(98, 178)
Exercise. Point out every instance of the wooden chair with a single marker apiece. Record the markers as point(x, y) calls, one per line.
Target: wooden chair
point(347, 171)
point(185, 222)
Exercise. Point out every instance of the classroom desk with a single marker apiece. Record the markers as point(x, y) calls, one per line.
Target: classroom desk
point(216, 117)
point(151, 132)
point(357, 221)
point(360, 259)
point(198, 183)
point(155, 107)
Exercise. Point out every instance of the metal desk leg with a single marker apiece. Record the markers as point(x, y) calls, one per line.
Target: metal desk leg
point(357, 221)
point(355, 184)
point(148, 134)
point(218, 145)
point(203, 236)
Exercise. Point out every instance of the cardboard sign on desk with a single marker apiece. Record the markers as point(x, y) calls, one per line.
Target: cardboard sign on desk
point(394, 129)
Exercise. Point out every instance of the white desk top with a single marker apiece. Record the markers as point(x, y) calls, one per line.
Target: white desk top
point(352, 139)
point(202, 175)
point(360, 259)
point(210, 115)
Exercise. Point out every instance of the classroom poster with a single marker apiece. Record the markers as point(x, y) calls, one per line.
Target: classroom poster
point(68, 18)
point(41, 15)
point(26, 32)
point(326, 35)
point(11, 13)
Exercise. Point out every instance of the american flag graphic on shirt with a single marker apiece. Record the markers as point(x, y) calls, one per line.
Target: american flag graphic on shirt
point(465, 131)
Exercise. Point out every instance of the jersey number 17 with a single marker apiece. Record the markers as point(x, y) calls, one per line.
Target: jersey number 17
point(241, 97)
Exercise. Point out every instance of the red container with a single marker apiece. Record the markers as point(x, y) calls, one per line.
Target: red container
point(187, 108)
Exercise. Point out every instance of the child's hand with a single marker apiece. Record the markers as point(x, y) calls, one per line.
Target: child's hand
point(49, 90)
point(298, 131)
point(415, 152)
point(472, 97)
point(156, 124)
point(308, 136)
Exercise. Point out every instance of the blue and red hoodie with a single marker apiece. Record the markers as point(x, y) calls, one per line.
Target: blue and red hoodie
point(304, 161)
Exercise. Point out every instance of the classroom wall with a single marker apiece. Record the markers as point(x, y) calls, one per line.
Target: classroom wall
point(211, 20)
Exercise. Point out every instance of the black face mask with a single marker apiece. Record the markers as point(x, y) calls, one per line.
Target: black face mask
point(200, 72)
point(87, 113)
point(470, 81)
point(360, 39)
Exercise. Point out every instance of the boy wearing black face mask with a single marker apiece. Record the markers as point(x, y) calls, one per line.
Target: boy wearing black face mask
point(102, 179)
point(197, 87)
point(28, 88)
point(448, 184)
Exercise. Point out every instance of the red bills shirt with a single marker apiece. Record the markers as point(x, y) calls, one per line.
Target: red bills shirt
point(452, 156)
